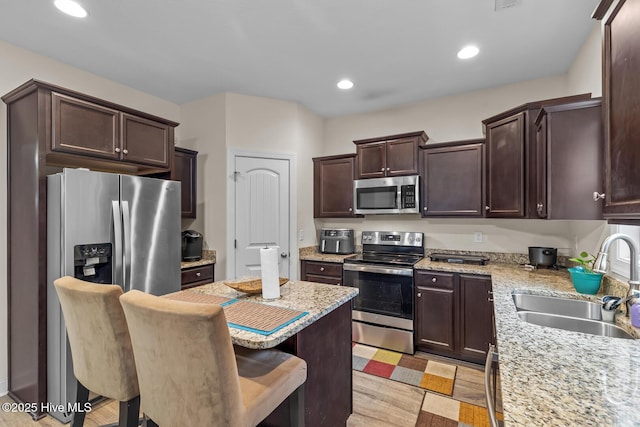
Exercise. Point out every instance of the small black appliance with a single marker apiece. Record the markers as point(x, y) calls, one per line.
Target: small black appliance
point(191, 245)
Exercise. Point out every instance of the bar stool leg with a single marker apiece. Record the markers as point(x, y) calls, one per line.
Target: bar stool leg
point(129, 412)
point(296, 407)
point(82, 397)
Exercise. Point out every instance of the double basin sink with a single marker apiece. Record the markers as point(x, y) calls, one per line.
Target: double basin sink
point(568, 314)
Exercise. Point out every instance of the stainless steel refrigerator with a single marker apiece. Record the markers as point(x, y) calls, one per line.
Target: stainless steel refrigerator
point(105, 228)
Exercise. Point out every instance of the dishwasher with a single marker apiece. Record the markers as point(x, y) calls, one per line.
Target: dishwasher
point(490, 379)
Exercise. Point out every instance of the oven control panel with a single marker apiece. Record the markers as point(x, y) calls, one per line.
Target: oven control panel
point(395, 238)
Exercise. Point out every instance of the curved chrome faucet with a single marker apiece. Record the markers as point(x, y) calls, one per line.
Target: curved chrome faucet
point(601, 264)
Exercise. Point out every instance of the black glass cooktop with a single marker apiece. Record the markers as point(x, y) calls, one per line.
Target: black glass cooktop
point(384, 258)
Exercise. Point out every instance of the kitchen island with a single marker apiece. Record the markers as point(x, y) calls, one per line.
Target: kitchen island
point(322, 338)
point(552, 376)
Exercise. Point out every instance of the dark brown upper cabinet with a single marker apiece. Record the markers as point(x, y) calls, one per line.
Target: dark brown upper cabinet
point(393, 155)
point(84, 128)
point(90, 129)
point(146, 141)
point(621, 93)
point(569, 141)
point(452, 179)
point(511, 159)
point(333, 186)
point(186, 162)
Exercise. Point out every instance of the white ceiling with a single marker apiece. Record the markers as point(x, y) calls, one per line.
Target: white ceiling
point(396, 51)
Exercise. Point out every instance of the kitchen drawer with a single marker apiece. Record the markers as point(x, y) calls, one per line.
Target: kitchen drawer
point(433, 279)
point(323, 268)
point(195, 276)
point(323, 279)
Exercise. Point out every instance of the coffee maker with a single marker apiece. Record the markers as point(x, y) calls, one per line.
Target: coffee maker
point(191, 245)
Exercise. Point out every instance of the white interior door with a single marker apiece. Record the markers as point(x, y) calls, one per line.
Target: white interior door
point(262, 206)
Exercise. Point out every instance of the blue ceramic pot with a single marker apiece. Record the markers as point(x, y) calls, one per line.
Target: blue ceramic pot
point(585, 283)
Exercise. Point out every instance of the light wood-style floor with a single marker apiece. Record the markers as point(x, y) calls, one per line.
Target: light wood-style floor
point(376, 401)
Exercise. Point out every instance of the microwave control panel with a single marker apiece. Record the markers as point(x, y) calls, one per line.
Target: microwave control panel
point(408, 194)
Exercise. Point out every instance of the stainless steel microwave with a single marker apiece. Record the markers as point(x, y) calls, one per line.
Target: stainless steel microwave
point(395, 195)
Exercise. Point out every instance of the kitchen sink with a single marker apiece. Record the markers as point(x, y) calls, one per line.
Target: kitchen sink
point(593, 327)
point(568, 314)
point(560, 306)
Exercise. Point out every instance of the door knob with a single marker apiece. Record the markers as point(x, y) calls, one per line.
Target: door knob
point(284, 255)
point(597, 196)
point(486, 208)
point(117, 150)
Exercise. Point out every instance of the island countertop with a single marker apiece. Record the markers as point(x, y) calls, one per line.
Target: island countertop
point(315, 298)
point(552, 376)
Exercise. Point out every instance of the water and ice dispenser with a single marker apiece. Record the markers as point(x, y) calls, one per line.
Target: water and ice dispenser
point(93, 263)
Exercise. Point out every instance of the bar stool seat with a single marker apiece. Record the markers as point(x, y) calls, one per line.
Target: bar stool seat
point(190, 375)
point(100, 346)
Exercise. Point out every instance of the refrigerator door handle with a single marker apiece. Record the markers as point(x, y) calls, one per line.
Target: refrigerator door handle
point(117, 242)
point(126, 222)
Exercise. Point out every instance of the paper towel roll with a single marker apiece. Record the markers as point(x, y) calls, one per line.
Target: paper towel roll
point(269, 273)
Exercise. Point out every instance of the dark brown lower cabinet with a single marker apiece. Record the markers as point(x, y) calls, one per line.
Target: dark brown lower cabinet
point(196, 276)
point(321, 272)
point(454, 314)
point(435, 310)
point(476, 330)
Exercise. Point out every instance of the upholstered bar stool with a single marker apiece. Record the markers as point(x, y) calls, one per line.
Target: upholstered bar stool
point(190, 376)
point(100, 346)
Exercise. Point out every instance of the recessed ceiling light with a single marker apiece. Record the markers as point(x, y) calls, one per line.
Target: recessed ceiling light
point(71, 7)
point(468, 52)
point(345, 84)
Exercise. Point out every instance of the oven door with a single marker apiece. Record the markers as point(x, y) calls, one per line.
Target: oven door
point(385, 292)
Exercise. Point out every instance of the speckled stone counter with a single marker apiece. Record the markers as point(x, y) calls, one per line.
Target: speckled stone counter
point(208, 257)
point(310, 253)
point(315, 298)
point(552, 377)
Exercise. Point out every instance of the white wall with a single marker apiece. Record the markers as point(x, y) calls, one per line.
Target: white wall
point(203, 128)
point(18, 66)
point(585, 73)
point(214, 125)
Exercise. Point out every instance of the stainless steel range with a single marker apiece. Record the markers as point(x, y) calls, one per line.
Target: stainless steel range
point(383, 310)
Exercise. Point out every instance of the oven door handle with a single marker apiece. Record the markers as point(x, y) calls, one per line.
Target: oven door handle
point(378, 269)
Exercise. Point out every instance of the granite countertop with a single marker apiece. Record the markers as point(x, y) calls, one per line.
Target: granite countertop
point(208, 257)
point(314, 298)
point(551, 376)
point(310, 253)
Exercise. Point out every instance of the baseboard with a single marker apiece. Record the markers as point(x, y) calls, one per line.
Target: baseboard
point(4, 387)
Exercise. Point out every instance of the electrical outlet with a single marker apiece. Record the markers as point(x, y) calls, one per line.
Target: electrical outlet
point(301, 235)
point(477, 237)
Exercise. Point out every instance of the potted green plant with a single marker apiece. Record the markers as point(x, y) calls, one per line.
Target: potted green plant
point(584, 279)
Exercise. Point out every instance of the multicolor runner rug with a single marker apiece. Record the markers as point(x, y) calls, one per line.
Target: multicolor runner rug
point(427, 374)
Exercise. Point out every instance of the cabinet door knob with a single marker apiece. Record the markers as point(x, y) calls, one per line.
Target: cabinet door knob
point(434, 280)
point(490, 299)
point(486, 208)
point(597, 196)
point(117, 150)
point(321, 268)
point(419, 295)
point(198, 274)
point(125, 151)
point(388, 169)
point(350, 209)
point(424, 209)
point(539, 206)
point(382, 170)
